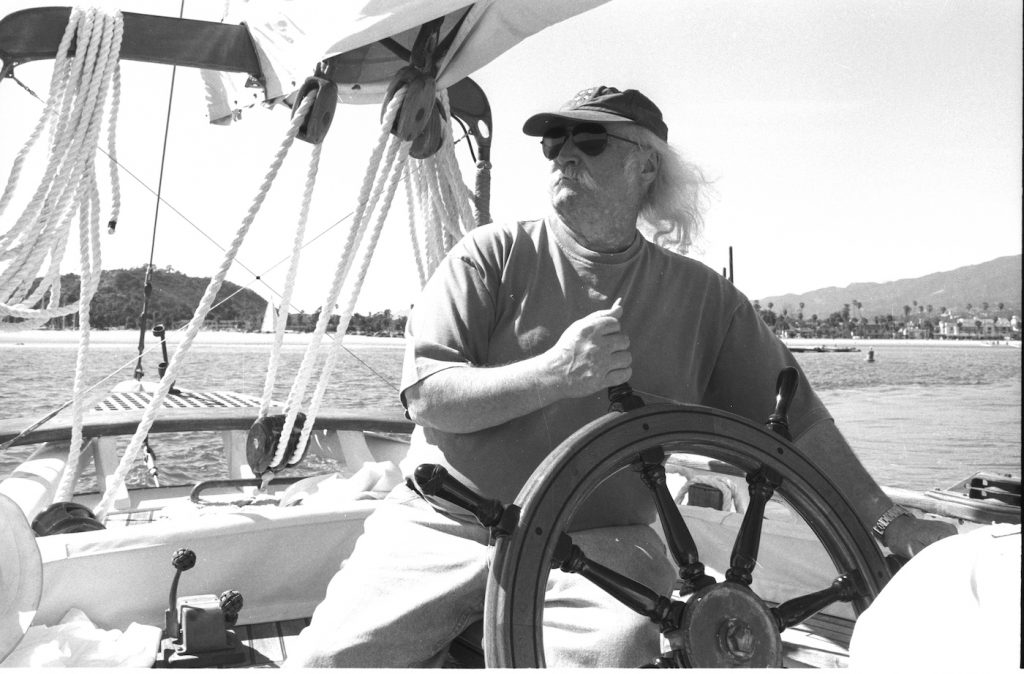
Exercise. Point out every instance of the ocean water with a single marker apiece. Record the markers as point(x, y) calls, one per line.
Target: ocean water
point(921, 416)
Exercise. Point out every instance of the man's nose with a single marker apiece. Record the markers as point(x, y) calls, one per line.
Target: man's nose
point(568, 153)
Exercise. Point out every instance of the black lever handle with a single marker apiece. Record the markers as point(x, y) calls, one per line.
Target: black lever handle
point(161, 333)
point(785, 391)
point(623, 399)
point(435, 480)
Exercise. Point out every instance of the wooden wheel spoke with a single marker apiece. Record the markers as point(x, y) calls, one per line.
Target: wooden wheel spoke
point(651, 465)
point(793, 612)
point(762, 484)
point(633, 594)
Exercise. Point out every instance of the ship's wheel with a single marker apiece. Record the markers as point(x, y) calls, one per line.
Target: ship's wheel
point(708, 623)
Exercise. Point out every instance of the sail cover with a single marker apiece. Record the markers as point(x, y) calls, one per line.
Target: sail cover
point(291, 38)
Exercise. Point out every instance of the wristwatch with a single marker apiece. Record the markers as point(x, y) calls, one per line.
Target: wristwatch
point(887, 518)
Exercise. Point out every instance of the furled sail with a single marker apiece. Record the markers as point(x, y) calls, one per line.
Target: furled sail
point(361, 44)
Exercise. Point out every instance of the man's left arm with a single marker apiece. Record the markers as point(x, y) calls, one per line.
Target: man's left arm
point(905, 535)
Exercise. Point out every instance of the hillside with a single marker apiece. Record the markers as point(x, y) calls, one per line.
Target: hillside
point(994, 282)
point(173, 299)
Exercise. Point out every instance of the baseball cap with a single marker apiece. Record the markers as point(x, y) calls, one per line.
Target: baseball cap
point(602, 104)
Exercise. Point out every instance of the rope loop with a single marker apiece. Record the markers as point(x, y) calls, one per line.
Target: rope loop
point(34, 246)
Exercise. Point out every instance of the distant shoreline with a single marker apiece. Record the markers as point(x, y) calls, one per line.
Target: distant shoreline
point(864, 344)
point(301, 339)
point(204, 338)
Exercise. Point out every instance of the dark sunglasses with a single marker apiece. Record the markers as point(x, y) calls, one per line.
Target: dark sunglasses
point(591, 139)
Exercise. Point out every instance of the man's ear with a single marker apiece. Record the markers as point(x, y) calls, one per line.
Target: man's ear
point(651, 165)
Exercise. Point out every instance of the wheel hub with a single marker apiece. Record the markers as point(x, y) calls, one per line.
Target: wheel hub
point(727, 625)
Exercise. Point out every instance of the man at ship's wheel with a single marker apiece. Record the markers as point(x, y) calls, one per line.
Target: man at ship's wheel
point(511, 348)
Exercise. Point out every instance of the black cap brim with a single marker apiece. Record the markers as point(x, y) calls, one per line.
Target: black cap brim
point(541, 122)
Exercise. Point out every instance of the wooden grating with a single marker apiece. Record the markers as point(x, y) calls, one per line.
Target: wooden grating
point(139, 400)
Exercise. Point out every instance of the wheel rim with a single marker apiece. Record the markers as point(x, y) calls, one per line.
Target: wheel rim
point(516, 586)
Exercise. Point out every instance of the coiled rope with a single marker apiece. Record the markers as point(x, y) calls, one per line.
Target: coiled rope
point(34, 246)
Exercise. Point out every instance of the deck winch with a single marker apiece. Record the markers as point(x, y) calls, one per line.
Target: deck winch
point(65, 517)
point(264, 440)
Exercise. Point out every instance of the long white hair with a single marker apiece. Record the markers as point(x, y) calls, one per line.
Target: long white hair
point(672, 214)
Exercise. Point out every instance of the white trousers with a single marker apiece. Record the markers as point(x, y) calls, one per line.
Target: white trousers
point(416, 580)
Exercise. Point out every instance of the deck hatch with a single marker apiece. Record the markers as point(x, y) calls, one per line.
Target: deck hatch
point(128, 401)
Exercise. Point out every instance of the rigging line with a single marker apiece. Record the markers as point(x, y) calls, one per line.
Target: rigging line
point(465, 132)
point(259, 277)
point(156, 215)
point(384, 379)
point(23, 85)
point(163, 152)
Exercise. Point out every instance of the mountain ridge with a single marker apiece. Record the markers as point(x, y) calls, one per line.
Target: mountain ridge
point(993, 282)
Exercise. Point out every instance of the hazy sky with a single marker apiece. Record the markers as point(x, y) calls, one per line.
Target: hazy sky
point(848, 141)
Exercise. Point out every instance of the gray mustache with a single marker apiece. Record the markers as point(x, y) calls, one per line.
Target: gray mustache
point(571, 173)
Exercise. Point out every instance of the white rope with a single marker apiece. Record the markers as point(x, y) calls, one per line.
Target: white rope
point(46, 211)
point(89, 259)
point(369, 194)
point(431, 225)
point(58, 81)
point(115, 103)
point(421, 214)
point(281, 321)
point(170, 375)
point(34, 246)
point(444, 210)
point(460, 194)
point(398, 152)
point(414, 239)
point(394, 173)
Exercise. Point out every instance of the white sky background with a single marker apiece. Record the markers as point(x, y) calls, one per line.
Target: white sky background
point(849, 141)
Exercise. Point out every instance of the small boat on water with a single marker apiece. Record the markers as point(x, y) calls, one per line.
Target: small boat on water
point(819, 348)
point(225, 572)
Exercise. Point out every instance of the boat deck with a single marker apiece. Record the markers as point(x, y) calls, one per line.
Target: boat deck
point(266, 645)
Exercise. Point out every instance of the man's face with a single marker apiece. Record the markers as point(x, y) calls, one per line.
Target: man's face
point(596, 187)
